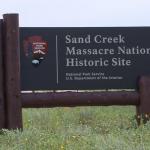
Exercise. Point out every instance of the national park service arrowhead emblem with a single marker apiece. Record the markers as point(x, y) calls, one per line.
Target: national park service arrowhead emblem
point(36, 49)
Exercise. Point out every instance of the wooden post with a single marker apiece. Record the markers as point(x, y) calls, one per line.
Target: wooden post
point(144, 90)
point(2, 113)
point(12, 72)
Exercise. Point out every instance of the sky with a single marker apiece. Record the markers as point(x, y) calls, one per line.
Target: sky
point(78, 13)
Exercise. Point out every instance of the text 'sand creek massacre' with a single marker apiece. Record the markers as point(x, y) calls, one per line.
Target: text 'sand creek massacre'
point(83, 58)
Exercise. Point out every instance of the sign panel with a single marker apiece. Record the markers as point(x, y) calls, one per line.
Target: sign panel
point(83, 58)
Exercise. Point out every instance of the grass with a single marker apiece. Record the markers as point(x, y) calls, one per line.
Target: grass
point(84, 128)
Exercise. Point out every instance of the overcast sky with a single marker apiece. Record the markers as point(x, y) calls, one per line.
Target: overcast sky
point(48, 13)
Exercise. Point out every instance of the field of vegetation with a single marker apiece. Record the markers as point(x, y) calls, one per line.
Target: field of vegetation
point(81, 128)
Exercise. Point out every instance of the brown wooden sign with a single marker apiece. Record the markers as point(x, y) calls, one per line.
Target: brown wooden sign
point(38, 48)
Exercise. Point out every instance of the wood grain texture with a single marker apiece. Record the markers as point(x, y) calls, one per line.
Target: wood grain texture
point(2, 108)
point(12, 72)
point(62, 99)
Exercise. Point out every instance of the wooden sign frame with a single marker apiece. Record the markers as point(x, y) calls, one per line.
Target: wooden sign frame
point(12, 100)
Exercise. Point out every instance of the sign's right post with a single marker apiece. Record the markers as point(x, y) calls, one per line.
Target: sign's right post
point(143, 110)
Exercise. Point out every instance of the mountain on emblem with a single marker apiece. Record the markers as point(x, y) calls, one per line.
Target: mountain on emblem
point(36, 49)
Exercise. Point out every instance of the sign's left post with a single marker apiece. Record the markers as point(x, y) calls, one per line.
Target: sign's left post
point(2, 107)
point(12, 71)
